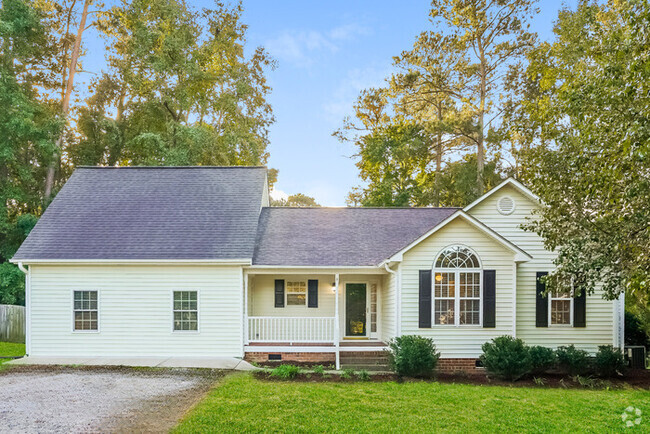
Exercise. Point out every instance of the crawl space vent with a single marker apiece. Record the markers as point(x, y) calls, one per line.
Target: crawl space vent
point(506, 205)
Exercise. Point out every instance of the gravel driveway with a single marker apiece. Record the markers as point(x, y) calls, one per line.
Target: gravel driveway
point(98, 400)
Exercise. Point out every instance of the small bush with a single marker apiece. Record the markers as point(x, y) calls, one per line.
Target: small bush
point(573, 360)
point(319, 369)
point(609, 361)
point(506, 357)
point(363, 375)
point(285, 372)
point(584, 381)
point(347, 373)
point(412, 356)
point(541, 359)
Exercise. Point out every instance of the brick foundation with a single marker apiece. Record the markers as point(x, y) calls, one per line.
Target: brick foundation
point(307, 358)
point(450, 366)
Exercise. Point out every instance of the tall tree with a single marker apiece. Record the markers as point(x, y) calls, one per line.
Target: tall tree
point(179, 90)
point(489, 36)
point(591, 169)
point(66, 94)
point(28, 130)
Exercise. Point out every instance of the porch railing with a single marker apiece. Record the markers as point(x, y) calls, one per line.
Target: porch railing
point(290, 329)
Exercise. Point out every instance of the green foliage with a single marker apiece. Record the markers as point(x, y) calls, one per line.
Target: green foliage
point(28, 131)
point(347, 373)
point(296, 200)
point(285, 372)
point(363, 375)
point(319, 369)
point(635, 332)
point(506, 357)
point(573, 360)
point(412, 356)
point(179, 89)
point(541, 359)
point(440, 105)
point(581, 115)
point(609, 361)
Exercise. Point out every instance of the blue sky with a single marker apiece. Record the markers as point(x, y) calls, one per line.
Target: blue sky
point(327, 51)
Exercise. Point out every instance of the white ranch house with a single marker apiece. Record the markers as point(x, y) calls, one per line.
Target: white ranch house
point(192, 261)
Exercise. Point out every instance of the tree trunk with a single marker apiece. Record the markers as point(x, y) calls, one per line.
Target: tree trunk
point(436, 179)
point(480, 147)
point(65, 106)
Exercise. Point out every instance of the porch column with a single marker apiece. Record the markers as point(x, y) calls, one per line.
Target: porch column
point(245, 308)
point(336, 321)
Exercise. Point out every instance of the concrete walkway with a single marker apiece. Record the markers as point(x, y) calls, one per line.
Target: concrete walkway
point(153, 362)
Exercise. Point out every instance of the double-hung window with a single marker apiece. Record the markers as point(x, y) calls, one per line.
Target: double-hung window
point(186, 311)
point(561, 308)
point(457, 287)
point(297, 293)
point(85, 311)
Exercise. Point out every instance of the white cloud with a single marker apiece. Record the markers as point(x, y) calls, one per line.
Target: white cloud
point(300, 47)
point(344, 96)
point(278, 194)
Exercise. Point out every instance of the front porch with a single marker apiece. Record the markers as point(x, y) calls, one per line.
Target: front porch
point(312, 317)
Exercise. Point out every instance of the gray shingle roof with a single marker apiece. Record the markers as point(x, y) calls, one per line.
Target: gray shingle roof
point(151, 213)
point(340, 236)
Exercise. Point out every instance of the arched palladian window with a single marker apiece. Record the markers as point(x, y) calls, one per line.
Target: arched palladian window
point(457, 287)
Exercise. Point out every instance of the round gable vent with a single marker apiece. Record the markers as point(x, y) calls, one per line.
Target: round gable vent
point(506, 205)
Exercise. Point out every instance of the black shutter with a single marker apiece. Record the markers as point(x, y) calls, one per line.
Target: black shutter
point(489, 298)
point(541, 317)
point(425, 299)
point(312, 293)
point(279, 293)
point(580, 309)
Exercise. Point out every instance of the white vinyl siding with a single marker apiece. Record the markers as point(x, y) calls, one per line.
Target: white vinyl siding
point(458, 341)
point(262, 296)
point(388, 302)
point(136, 311)
point(601, 321)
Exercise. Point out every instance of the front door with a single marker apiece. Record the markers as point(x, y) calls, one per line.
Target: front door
point(355, 309)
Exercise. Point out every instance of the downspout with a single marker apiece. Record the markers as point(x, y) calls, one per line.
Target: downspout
point(398, 296)
point(28, 307)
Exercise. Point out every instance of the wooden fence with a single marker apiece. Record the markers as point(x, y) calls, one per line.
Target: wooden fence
point(12, 323)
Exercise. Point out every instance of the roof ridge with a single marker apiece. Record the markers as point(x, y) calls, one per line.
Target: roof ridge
point(171, 167)
point(365, 207)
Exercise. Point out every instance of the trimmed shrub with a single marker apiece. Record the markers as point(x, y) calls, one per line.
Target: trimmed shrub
point(541, 359)
point(506, 357)
point(609, 361)
point(412, 356)
point(573, 360)
point(285, 372)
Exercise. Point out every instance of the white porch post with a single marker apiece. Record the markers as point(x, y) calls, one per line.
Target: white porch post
point(245, 308)
point(336, 321)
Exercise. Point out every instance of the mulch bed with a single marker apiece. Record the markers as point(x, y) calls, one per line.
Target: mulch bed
point(633, 378)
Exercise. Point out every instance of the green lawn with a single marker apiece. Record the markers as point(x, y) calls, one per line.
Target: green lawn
point(8, 349)
point(244, 404)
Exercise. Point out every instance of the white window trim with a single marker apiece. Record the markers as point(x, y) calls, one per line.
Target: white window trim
point(72, 309)
point(286, 292)
point(457, 272)
point(198, 311)
point(550, 310)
